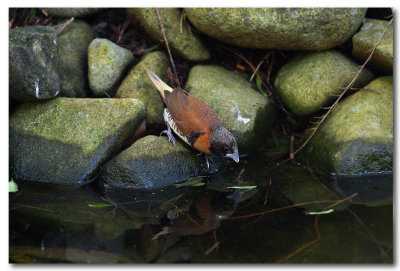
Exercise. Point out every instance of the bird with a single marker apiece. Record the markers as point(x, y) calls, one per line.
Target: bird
point(194, 122)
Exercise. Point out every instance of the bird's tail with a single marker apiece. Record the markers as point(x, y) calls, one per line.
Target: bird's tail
point(159, 84)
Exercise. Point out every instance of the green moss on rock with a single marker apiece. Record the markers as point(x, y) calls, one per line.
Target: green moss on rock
point(66, 140)
point(278, 28)
point(137, 85)
point(365, 40)
point(186, 44)
point(309, 81)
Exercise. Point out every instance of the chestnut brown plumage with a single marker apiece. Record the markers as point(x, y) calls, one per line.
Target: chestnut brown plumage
point(194, 121)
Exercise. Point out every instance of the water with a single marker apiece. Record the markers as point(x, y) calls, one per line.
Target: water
point(203, 222)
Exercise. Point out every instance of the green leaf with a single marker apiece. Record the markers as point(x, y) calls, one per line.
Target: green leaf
point(151, 49)
point(274, 138)
point(195, 181)
point(99, 205)
point(12, 186)
point(33, 15)
point(243, 187)
point(259, 85)
point(320, 213)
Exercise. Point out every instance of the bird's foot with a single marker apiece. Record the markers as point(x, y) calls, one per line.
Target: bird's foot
point(206, 156)
point(169, 134)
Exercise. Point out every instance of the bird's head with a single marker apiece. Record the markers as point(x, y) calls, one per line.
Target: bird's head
point(223, 143)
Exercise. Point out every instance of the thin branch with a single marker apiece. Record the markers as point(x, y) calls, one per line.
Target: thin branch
point(169, 51)
point(64, 25)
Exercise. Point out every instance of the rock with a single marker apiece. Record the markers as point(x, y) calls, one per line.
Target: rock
point(356, 140)
point(278, 28)
point(365, 40)
point(153, 162)
point(245, 112)
point(71, 12)
point(187, 45)
point(33, 63)
point(137, 85)
point(65, 141)
point(308, 81)
point(107, 62)
point(73, 43)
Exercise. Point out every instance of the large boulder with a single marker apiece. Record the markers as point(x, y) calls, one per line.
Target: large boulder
point(311, 80)
point(243, 110)
point(73, 44)
point(33, 63)
point(137, 85)
point(187, 45)
point(66, 141)
point(278, 28)
point(365, 40)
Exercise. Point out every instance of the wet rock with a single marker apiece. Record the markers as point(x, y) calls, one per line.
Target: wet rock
point(153, 162)
point(186, 44)
point(308, 81)
point(365, 40)
point(65, 141)
point(137, 85)
point(278, 28)
point(107, 62)
point(73, 43)
point(33, 63)
point(71, 12)
point(356, 140)
point(242, 109)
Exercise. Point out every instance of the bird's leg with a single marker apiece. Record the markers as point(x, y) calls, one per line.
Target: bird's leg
point(169, 134)
point(206, 156)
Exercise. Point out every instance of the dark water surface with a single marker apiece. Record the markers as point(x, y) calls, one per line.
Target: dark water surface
point(207, 222)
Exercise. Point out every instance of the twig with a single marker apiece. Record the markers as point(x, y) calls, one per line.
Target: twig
point(169, 51)
point(64, 25)
point(343, 93)
point(259, 64)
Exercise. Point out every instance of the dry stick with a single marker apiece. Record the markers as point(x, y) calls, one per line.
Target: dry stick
point(64, 25)
point(169, 51)
point(259, 64)
point(342, 94)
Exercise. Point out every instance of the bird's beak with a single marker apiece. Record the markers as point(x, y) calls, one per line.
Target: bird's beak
point(234, 156)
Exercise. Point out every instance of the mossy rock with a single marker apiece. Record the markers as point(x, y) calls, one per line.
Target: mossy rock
point(310, 80)
point(137, 85)
point(187, 45)
point(357, 137)
point(244, 111)
point(107, 62)
point(154, 162)
point(73, 44)
point(71, 12)
point(278, 28)
point(33, 63)
point(66, 141)
point(365, 40)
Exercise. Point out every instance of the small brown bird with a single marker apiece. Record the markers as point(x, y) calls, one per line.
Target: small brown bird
point(194, 121)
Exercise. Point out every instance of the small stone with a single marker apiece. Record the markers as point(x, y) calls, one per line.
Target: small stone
point(137, 85)
point(365, 40)
point(33, 63)
point(73, 44)
point(153, 162)
point(187, 45)
point(107, 62)
point(244, 111)
point(65, 141)
point(278, 28)
point(310, 80)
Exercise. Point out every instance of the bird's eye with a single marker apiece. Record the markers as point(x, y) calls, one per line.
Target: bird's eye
point(226, 149)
